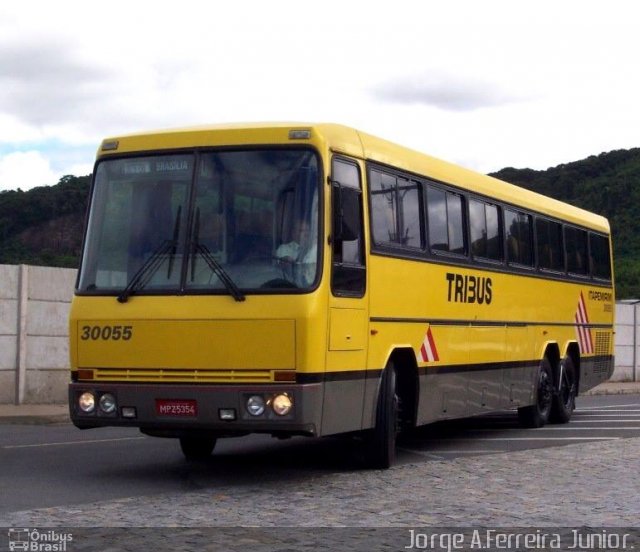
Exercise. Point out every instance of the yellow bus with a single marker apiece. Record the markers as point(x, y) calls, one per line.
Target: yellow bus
point(310, 279)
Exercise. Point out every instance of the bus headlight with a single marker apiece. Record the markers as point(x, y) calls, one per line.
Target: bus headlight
point(282, 404)
point(87, 402)
point(255, 405)
point(107, 403)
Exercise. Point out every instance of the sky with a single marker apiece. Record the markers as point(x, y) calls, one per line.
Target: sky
point(486, 84)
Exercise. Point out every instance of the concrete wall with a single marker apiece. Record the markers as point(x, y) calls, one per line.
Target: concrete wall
point(34, 351)
point(627, 342)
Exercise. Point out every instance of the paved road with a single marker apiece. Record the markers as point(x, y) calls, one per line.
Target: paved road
point(484, 472)
point(598, 418)
point(54, 465)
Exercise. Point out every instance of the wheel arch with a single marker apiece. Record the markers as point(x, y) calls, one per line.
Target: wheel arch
point(573, 351)
point(407, 383)
point(552, 352)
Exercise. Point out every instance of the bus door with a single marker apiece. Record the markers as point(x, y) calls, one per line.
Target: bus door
point(348, 308)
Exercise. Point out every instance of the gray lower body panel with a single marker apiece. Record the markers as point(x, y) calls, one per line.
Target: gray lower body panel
point(594, 371)
point(468, 391)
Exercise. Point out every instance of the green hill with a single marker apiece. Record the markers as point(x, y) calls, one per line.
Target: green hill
point(608, 184)
point(44, 226)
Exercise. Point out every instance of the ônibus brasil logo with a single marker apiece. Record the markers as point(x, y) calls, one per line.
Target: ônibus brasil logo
point(37, 540)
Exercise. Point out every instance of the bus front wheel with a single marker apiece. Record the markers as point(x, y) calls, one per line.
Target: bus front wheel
point(197, 448)
point(537, 414)
point(381, 442)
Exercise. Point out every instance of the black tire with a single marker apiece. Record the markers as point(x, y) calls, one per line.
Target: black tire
point(564, 400)
point(381, 441)
point(197, 448)
point(538, 414)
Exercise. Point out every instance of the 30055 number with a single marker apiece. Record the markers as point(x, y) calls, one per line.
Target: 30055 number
point(107, 333)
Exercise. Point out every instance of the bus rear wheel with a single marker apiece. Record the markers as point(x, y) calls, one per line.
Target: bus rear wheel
point(537, 414)
point(381, 440)
point(564, 401)
point(197, 447)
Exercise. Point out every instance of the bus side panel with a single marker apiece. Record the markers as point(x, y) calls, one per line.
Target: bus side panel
point(486, 382)
point(442, 396)
point(518, 387)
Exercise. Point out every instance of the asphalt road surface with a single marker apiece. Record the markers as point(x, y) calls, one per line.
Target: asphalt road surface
point(55, 465)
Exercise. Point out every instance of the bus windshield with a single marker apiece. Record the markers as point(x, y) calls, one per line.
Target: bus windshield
point(203, 222)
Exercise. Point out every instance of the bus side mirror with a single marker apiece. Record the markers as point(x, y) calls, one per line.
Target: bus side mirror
point(346, 213)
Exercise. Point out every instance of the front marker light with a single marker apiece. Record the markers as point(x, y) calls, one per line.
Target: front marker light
point(227, 414)
point(282, 404)
point(255, 405)
point(107, 403)
point(87, 402)
point(128, 412)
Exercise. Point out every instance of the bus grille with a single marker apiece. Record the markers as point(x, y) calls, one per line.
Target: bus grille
point(182, 376)
point(603, 352)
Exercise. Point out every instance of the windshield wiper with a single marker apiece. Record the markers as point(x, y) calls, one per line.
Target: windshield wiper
point(154, 262)
point(220, 272)
point(214, 265)
point(146, 271)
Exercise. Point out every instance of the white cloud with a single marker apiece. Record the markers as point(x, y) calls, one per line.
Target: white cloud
point(448, 91)
point(494, 83)
point(25, 170)
point(80, 169)
point(14, 130)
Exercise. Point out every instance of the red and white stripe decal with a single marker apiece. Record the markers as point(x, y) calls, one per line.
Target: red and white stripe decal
point(428, 351)
point(583, 333)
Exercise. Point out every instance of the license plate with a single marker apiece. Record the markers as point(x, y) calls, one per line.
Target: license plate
point(176, 407)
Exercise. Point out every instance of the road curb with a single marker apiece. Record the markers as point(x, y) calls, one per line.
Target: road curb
point(35, 419)
point(613, 388)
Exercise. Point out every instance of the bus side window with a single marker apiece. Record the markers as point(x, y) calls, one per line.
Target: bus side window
point(446, 222)
point(576, 246)
point(484, 224)
point(549, 244)
point(517, 227)
point(395, 211)
point(600, 257)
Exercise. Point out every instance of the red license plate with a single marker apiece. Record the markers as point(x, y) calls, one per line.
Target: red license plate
point(176, 407)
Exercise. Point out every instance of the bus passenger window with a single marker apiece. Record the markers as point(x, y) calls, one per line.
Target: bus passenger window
point(517, 227)
point(600, 257)
point(395, 210)
point(446, 221)
point(409, 222)
point(455, 223)
point(576, 245)
point(485, 230)
point(549, 245)
point(437, 208)
point(383, 207)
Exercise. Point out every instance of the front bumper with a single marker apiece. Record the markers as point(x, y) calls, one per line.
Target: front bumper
point(143, 399)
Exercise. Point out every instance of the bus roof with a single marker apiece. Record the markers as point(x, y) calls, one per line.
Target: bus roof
point(352, 142)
